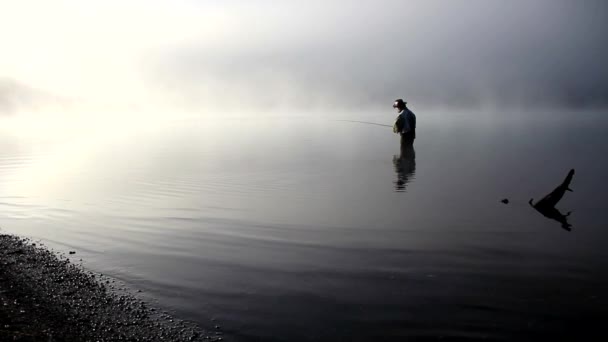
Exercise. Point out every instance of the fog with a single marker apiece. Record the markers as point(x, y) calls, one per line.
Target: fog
point(218, 56)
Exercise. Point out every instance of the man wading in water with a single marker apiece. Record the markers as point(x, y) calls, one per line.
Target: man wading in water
point(405, 123)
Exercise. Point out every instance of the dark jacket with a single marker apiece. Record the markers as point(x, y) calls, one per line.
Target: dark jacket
point(406, 123)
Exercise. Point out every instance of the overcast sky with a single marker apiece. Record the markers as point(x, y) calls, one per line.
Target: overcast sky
point(210, 54)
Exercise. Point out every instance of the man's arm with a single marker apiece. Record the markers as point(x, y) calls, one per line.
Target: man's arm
point(398, 126)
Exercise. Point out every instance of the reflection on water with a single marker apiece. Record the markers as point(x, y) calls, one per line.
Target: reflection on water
point(405, 163)
point(282, 234)
point(555, 214)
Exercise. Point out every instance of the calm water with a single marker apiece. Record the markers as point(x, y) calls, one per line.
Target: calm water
point(315, 229)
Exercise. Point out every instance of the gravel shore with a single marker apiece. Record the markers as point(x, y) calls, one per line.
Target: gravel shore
point(47, 298)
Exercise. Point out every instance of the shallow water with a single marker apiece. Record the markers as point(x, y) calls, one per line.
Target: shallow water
point(301, 230)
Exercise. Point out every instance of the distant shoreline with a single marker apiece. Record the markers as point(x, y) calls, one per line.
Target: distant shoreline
point(44, 297)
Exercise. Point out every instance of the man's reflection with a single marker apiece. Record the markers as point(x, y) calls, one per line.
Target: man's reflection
point(405, 163)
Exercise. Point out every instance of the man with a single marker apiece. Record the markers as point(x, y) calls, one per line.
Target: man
point(406, 121)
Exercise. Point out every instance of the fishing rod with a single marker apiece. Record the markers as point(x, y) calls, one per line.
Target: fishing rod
point(366, 123)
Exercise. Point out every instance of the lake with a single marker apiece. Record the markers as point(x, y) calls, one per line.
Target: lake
point(309, 228)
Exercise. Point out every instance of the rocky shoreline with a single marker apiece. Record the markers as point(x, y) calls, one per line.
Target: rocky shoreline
point(44, 297)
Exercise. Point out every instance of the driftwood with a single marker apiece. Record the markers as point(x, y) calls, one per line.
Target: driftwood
point(546, 205)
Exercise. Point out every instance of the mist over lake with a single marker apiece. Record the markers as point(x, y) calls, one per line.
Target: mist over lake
point(234, 162)
point(213, 57)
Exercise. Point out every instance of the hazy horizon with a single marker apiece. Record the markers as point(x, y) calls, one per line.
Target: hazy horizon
point(210, 56)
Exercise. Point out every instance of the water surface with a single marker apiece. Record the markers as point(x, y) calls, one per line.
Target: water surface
point(303, 229)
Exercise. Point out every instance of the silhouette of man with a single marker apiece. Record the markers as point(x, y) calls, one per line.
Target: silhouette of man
point(405, 124)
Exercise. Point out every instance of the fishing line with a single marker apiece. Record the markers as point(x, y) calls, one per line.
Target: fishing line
point(366, 123)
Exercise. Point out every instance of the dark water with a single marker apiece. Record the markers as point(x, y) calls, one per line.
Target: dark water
point(317, 229)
